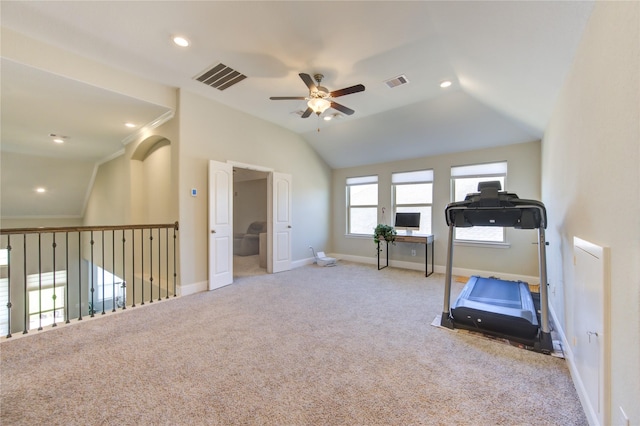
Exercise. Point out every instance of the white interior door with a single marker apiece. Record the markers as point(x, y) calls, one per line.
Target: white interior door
point(279, 239)
point(590, 325)
point(220, 224)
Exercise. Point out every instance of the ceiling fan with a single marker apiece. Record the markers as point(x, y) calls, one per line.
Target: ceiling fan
point(320, 99)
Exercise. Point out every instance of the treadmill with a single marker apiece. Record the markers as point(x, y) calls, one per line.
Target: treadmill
point(505, 309)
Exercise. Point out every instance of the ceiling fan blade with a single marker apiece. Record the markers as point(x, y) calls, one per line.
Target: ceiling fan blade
point(347, 91)
point(342, 108)
point(307, 113)
point(308, 81)
point(287, 98)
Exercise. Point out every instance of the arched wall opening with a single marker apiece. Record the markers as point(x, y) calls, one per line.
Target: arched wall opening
point(151, 181)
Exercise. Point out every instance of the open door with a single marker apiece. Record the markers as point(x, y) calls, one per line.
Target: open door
point(279, 239)
point(220, 224)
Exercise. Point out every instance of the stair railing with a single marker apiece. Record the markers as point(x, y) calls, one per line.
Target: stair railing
point(51, 275)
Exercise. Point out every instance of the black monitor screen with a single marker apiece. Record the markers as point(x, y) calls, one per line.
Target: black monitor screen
point(408, 220)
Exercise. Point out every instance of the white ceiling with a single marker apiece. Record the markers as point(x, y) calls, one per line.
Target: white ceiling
point(507, 61)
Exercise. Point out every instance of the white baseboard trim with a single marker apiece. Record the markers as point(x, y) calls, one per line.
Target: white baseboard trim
point(438, 269)
point(300, 263)
point(194, 288)
point(185, 290)
point(589, 411)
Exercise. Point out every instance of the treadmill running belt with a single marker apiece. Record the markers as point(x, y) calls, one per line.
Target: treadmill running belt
point(497, 306)
point(496, 292)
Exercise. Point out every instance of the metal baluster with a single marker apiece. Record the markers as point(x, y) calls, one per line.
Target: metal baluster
point(133, 265)
point(54, 280)
point(124, 275)
point(151, 263)
point(159, 265)
point(8, 286)
point(92, 306)
point(113, 267)
point(66, 284)
point(26, 293)
point(166, 238)
point(174, 260)
point(142, 263)
point(103, 267)
point(39, 281)
point(79, 275)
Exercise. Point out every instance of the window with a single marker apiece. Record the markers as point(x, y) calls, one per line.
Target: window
point(413, 192)
point(362, 205)
point(46, 304)
point(464, 180)
point(108, 287)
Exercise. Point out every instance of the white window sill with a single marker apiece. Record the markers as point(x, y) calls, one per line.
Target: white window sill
point(359, 236)
point(484, 244)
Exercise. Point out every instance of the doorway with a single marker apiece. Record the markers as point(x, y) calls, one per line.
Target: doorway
point(221, 215)
point(250, 215)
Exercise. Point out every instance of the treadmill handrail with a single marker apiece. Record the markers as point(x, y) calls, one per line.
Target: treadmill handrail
point(456, 207)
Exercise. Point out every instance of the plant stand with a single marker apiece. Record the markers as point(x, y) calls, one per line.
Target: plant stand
point(387, 253)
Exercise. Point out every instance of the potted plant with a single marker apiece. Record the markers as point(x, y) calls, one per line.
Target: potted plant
point(384, 232)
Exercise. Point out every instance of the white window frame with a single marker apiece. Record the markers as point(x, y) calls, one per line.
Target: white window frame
point(41, 282)
point(483, 172)
point(352, 182)
point(104, 283)
point(417, 177)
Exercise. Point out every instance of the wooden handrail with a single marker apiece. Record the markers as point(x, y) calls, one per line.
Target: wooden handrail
point(12, 231)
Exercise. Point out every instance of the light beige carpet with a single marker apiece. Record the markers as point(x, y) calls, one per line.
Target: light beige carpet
point(347, 345)
point(247, 266)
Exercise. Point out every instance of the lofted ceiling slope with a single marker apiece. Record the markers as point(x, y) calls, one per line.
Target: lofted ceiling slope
point(506, 61)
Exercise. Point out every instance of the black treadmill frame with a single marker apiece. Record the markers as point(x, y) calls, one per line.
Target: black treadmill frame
point(491, 207)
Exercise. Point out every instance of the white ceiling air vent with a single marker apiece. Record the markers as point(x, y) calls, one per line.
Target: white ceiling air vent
point(221, 77)
point(397, 81)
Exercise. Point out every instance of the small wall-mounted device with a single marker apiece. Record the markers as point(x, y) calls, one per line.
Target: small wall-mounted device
point(194, 192)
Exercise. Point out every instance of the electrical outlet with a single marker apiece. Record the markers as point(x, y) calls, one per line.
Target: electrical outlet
point(413, 252)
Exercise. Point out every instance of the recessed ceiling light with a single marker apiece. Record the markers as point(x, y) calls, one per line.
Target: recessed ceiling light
point(41, 190)
point(58, 138)
point(181, 41)
point(328, 118)
point(130, 125)
point(445, 84)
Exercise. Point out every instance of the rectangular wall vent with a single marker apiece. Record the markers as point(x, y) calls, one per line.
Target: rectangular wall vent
point(221, 77)
point(397, 81)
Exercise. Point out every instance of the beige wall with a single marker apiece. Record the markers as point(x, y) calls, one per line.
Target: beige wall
point(249, 203)
point(591, 184)
point(157, 184)
point(523, 178)
point(137, 187)
point(108, 200)
point(212, 131)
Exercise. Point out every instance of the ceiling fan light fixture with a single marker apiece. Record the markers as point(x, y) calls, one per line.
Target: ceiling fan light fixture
point(318, 105)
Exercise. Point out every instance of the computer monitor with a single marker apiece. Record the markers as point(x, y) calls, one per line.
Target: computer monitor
point(407, 221)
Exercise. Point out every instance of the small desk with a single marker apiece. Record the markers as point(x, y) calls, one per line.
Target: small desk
point(416, 239)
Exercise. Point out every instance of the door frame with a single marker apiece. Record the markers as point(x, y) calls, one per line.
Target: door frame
point(270, 211)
